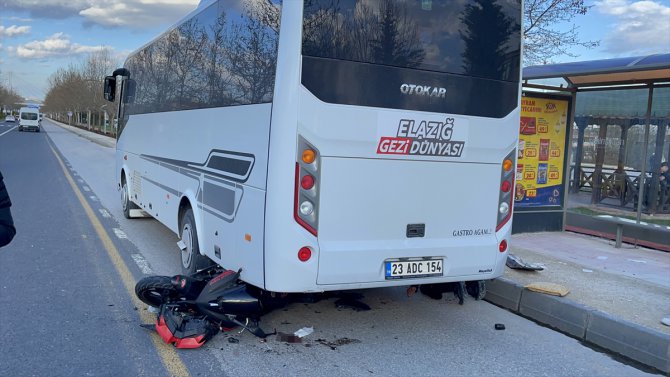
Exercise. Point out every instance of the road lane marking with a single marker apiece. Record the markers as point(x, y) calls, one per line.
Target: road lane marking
point(168, 355)
point(11, 129)
point(120, 234)
point(142, 264)
point(104, 213)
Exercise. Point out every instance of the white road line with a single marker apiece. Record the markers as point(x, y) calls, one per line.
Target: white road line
point(86, 188)
point(120, 234)
point(104, 213)
point(94, 198)
point(11, 129)
point(142, 264)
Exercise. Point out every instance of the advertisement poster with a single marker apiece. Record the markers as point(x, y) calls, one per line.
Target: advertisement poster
point(539, 169)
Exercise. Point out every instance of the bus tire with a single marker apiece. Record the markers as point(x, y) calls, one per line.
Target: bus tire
point(191, 259)
point(126, 203)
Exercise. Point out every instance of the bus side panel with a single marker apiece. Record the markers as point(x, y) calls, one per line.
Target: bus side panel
point(217, 158)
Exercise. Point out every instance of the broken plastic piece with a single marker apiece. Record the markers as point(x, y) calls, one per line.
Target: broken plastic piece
point(517, 263)
point(499, 326)
point(548, 288)
point(288, 338)
point(303, 332)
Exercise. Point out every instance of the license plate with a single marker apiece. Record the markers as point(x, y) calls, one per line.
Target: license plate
point(413, 269)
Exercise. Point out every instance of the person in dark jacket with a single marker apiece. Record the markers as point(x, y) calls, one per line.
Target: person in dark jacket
point(7, 230)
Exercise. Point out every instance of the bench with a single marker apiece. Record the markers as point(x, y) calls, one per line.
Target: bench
point(621, 222)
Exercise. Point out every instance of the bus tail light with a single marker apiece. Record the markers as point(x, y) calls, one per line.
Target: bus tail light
point(304, 254)
point(506, 196)
point(503, 246)
point(307, 176)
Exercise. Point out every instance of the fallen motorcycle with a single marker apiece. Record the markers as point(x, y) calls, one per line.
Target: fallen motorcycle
point(192, 309)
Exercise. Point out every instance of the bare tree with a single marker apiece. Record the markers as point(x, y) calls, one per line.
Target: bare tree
point(8, 98)
point(543, 38)
point(78, 89)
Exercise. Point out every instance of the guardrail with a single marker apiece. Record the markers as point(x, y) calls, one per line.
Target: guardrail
point(624, 187)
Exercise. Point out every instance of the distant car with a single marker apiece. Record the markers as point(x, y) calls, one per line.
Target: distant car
point(9, 118)
point(29, 119)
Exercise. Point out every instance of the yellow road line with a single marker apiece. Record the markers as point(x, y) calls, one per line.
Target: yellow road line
point(168, 354)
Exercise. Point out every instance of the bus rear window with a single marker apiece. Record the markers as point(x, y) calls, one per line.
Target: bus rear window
point(475, 38)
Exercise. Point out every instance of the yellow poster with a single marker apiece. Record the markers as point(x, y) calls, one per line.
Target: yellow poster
point(541, 153)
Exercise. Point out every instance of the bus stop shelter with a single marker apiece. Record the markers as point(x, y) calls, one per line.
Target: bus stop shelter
point(620, 129)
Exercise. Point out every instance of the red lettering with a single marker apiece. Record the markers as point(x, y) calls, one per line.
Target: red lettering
point(394, 145)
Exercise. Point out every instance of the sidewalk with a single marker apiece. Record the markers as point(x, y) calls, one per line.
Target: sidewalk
point(105, 141)
point(617, 296)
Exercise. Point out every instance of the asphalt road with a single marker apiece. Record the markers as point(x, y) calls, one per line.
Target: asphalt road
point(66, 309)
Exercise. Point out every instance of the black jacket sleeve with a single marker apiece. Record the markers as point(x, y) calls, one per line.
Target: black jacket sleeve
point(7, 230)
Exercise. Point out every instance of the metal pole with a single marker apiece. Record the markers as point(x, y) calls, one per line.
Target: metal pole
point(566, 167)
point(643, 174)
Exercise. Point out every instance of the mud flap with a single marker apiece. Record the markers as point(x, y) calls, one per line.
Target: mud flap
point(183, 330)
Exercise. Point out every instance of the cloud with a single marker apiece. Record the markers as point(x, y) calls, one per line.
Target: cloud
point(641, 27)
point(135, 14)
point(46, 8)
point(17, 19)
point(57, 45)
point(13, 31)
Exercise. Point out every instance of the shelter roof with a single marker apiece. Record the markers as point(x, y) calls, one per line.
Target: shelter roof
point(619, 71)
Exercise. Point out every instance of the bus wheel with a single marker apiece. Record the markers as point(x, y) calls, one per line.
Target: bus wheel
point(191, 259)
point(126, 203)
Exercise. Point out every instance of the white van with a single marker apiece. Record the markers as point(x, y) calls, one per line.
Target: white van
point(29, 119)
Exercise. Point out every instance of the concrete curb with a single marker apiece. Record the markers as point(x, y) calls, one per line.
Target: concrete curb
point(646, 346)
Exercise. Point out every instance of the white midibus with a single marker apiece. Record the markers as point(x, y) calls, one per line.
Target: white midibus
point(324, 145)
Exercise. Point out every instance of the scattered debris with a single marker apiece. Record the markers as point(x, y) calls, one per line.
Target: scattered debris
point(666, 321)
point(602, 257)
point(586, 270)
point(337, 342)
point(233, 340)
point(499, 326)
point(637, 261)
point(303, 332)
point(548, 288)
point(288, 338)
point(149, 326)
point(517, 263)
point(411, 290)
point(351, 303)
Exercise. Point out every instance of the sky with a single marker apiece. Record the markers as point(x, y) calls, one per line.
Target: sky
point(39, 36)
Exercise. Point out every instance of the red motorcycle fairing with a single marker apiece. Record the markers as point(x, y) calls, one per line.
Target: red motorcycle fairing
point(183, 330)
point(169, 338)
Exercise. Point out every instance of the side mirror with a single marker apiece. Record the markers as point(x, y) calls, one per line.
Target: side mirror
point(109, 88)
point(129, 91)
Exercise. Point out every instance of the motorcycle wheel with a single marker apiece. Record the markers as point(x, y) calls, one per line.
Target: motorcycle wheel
point(155, 290)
